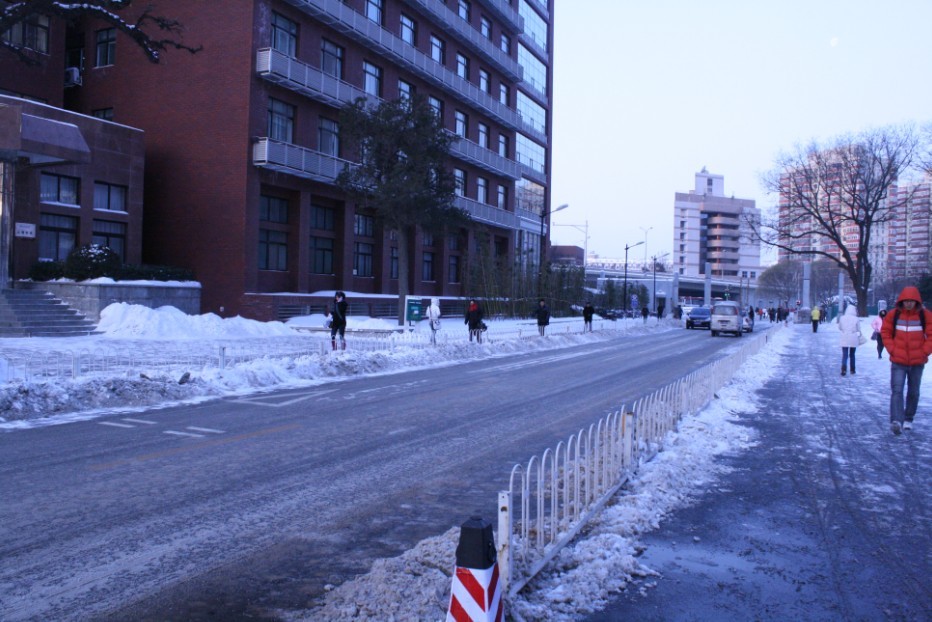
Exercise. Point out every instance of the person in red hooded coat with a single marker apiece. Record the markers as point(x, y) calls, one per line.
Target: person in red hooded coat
point(906, 337)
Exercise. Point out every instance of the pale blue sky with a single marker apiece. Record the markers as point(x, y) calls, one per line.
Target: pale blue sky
point(647, 92)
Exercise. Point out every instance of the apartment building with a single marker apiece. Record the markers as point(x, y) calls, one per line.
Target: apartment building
point(904, 242)
point(711, 229)
point(243, 141)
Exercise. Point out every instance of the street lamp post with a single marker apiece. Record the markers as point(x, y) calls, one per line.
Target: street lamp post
point(624, 295)
point(543, 246)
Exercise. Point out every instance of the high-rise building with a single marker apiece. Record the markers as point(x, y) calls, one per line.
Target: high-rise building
point(906, 253)
point(242, 139)
point(712, 229)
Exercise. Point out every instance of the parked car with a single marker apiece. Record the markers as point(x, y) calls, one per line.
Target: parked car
point(699, 317)
point(727, 318)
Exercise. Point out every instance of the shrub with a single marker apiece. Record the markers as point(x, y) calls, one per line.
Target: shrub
point(91, 262)
point(47, 270)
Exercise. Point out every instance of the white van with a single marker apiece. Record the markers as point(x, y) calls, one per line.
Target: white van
point(727, 318)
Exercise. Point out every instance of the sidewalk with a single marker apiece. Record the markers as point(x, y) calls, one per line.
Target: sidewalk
point(828, 518)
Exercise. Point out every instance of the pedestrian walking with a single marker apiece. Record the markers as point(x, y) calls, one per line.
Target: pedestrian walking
point(877, 324)
point(850, 327)
point(905, 333)
point(338, 320)
point(644, 314)
point(543, 316)
point(587, 312)
point(474, 321)
point(816, 315)
point(433, 319)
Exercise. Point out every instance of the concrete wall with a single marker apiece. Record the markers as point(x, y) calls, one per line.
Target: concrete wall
point(90, 299)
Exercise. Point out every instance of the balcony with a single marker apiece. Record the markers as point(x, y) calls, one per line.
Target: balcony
point(488, 214)
point(298, 161)
point(359, 27)
point(473, 153)
point(292, 74)
point(451, 23)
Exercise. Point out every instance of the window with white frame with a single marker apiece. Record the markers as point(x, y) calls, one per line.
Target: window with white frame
point(485, 27)
point(331, 59)
point(485, 81)
point(436, 105)
point(482, 190)
point(281, 121)
point(106, 47)
point(373, 79)
point(462, 123)
point(408, 30)
point(462, 66)
point(328, 133)
point(284, 35)
point(483, 135)
point(374, 11)
point(405, 90)
point(438, 49)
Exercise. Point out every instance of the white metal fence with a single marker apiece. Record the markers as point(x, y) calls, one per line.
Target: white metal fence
point(550, 499)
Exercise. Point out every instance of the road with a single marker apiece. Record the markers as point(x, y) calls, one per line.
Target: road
point(231, 508)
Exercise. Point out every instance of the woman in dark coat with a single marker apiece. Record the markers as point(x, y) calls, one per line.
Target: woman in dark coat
point(338, 321)
point(543, 316)
point(474, 321)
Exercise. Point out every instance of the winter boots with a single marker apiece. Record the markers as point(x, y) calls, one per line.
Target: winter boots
point(843, 370)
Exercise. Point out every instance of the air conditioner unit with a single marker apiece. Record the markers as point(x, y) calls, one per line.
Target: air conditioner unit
point(72, 76)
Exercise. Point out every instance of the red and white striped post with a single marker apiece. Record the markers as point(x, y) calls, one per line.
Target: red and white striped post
point(476, 595)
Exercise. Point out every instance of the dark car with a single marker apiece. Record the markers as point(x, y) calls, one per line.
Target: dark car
point(699, 317)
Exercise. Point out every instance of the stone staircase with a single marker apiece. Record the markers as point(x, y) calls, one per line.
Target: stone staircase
point(34, 313)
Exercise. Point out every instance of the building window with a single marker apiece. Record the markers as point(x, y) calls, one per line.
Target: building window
point(373, 79)
point(106, 47)
point(273, 250)
point(462, 123)
point(436, 105)
point(31, 33)
point(363, 226)
point(482, 190)
point(459, 180)
point(427, 267)
point(328, 134)
point(109, 197)
point(393, 263)
point(57, 235)
point(463, 9)
point(503, 145)
point(504, 94)
point(59, 189)
point(438, 49)
point(453, 242)
point(502, 197)
point(281, 121)
point(453, 269)
point(103, 113)
point(483, 135)
point(374, 11)
point(485, 27)
point(321, 255)
point(273, 209)
point(362, 259)
point(505, 44)
point(331, 59)
point(112, 235)
point(405, 90)
point(408, 30)
point(284, 35)
point(462, 67)
point(322, 218)
point(427, 239)
point(485, 81)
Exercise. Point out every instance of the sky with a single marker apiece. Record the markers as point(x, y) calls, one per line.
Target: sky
point(594, 566)
point(646, 94)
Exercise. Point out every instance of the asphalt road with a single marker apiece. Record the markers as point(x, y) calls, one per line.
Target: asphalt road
point(829, 518)
point(231, 508)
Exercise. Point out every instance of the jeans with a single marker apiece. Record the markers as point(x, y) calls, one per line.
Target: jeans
point(911, 376)
point(844, 358)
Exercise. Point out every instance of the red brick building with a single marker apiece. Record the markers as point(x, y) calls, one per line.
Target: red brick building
point(242, 138)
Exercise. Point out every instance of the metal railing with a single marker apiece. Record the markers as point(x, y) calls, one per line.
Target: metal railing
point(560, 490)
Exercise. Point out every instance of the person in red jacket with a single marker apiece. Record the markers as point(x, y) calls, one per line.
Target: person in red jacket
point(906, 337)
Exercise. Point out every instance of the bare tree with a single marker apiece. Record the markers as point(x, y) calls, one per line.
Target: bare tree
point(832, 197)
point(781, 281)
point(142, 31)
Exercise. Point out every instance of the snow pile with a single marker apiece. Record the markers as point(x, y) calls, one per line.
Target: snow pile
point(126, 320)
